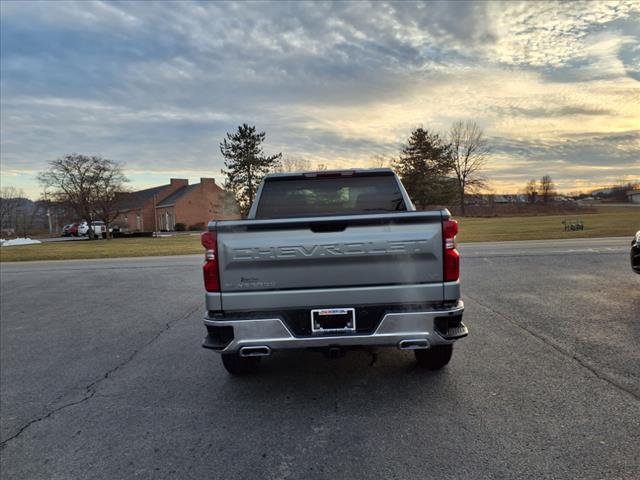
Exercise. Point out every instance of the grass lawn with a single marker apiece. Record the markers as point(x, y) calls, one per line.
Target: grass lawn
point(120, 247)
point(607, 222)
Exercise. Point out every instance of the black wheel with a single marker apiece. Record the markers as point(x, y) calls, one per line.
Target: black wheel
point(434, 358)
point(237, 365)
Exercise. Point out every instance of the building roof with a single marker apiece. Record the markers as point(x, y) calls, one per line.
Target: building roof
point(139, 198)
point(171, 199)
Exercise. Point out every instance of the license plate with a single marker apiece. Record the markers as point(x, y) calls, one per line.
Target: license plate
point(332, 320)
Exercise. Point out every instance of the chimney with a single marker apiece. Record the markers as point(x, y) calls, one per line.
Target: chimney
point(208, 181)
point(181, 182)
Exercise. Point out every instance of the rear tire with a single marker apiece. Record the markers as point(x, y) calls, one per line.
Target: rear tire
point(237, 365)
point(434, 358)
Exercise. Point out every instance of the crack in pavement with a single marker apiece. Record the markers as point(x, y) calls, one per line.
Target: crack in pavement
point(583, 363)
point(90, 389)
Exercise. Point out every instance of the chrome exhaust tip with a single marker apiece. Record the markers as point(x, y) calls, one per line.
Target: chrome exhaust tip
point(413, 344)
point(260, 351)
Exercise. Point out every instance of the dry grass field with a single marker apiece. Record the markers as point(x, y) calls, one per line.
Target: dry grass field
point(604, 222)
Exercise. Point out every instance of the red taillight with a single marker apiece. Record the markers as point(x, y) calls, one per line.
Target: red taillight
point(451, 259)
point(209, 241)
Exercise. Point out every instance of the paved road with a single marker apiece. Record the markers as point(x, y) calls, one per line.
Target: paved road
point(103, 377)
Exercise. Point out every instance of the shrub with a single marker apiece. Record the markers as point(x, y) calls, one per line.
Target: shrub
point(197, 226)
point(132, 234)
point(180, 227)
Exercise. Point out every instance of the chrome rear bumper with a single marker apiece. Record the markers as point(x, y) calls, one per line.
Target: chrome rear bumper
point(406, 330)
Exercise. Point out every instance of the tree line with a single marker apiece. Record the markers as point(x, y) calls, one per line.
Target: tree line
point(17, 213)
point(544, 190)
point(435, 169)
point(440, 169)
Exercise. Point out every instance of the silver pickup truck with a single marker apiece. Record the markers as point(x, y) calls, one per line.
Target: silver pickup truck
point(331, 261)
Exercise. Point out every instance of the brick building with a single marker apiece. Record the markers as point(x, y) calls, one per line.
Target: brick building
point(161, 208)
point(137, 209)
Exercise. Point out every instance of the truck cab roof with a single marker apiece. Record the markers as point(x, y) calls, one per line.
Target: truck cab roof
point(330, 173)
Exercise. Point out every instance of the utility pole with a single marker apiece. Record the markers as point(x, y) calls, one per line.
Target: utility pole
point(155, 216)
point(46, 200)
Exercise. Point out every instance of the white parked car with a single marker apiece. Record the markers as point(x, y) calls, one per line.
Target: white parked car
point(98, 226)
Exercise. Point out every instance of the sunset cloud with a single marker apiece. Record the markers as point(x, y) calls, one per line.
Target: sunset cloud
point(157, 85)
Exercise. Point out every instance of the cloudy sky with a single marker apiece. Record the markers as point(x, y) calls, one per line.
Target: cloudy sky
point(556, 87)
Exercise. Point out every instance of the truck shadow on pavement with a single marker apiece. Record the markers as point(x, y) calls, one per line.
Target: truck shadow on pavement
point(363, 381)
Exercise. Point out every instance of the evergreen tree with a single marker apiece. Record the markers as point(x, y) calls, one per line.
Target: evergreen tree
point(424, 165)
point(246, 164)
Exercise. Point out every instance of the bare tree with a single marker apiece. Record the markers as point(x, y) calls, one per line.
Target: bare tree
point(109, 183)
point(531, 190)
point(10, 200)
point(380, 160)
point(547, 188)
point(470, 153)
point(87, 184)
point(293, 164)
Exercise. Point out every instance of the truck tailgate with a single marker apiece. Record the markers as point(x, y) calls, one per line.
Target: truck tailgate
point(348, 252)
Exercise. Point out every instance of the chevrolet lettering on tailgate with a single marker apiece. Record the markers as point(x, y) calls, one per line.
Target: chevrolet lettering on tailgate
point(408, 247)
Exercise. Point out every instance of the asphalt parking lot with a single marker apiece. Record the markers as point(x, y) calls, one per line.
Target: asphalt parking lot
point(102, 376)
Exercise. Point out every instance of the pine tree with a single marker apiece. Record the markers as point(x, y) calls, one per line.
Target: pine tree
point(246, 164)
point(423, 166)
